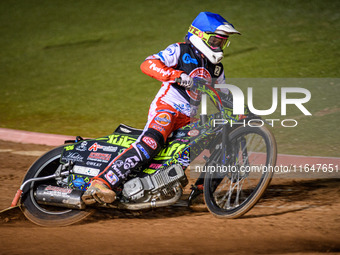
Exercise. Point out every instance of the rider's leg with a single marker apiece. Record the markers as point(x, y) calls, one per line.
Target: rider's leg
point(119, 168)
point(164, 120)
point(135, 156)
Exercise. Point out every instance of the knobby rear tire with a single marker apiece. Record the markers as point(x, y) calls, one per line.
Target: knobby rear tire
point(43, 215)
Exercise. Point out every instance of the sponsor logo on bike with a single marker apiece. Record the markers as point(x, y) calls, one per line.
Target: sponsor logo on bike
point(82, 146)
point(170, 151)
point(125, 130)
point(95, 164)
point(121, 140)
point(180, 134)
point(110, 148)
point(100, 157)
point(58, 189)
point(155, 166)
point(69, 147)
point(96, 146)
point(183, 140)
point(78, 182)
point(194, 132)
point(73, 156)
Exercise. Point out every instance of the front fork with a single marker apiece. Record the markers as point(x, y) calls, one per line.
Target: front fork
point(221, 155)
point(222, 159)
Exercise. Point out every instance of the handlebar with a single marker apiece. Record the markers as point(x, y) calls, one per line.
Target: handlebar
point(204, 86)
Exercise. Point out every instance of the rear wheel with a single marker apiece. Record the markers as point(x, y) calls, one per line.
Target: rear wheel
point(232, 190)
point(46, 215)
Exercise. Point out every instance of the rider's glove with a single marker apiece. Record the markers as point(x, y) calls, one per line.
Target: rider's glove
point(186, 81)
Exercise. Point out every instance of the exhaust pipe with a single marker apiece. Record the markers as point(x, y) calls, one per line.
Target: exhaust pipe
point(58, 196)
point(70, 198)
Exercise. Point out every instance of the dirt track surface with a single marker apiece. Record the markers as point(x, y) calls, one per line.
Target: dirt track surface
point(294, 217)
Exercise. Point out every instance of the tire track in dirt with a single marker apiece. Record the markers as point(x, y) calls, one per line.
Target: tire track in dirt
point(294, 216)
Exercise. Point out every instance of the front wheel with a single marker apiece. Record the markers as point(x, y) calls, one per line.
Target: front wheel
point(232, 190)
point(45, 215)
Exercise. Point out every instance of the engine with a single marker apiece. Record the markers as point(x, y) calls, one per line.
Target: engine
point(156, 185)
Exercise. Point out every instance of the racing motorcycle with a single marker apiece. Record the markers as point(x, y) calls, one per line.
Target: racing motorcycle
point(234, 175)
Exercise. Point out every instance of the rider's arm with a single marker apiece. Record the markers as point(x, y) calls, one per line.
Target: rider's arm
point(155, 68)
point(162, 66)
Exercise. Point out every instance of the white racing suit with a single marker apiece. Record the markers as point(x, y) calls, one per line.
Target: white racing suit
point(171, 109)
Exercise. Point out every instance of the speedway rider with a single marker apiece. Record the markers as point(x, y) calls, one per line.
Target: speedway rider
point(199, 56)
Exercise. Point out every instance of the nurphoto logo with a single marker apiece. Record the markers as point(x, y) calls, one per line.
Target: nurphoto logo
point(238, 105)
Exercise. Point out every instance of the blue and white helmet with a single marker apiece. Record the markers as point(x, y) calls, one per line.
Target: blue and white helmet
point(209, 33)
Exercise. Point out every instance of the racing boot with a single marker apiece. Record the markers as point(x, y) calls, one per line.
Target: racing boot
point(98, 192)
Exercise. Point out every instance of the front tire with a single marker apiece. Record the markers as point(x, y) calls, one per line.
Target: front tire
point(45, 215)
point(233, 192)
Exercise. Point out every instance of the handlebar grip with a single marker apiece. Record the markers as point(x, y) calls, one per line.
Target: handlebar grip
point(178, 80)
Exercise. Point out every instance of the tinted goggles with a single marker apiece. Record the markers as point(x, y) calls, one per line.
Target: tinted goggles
point(214, 41)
